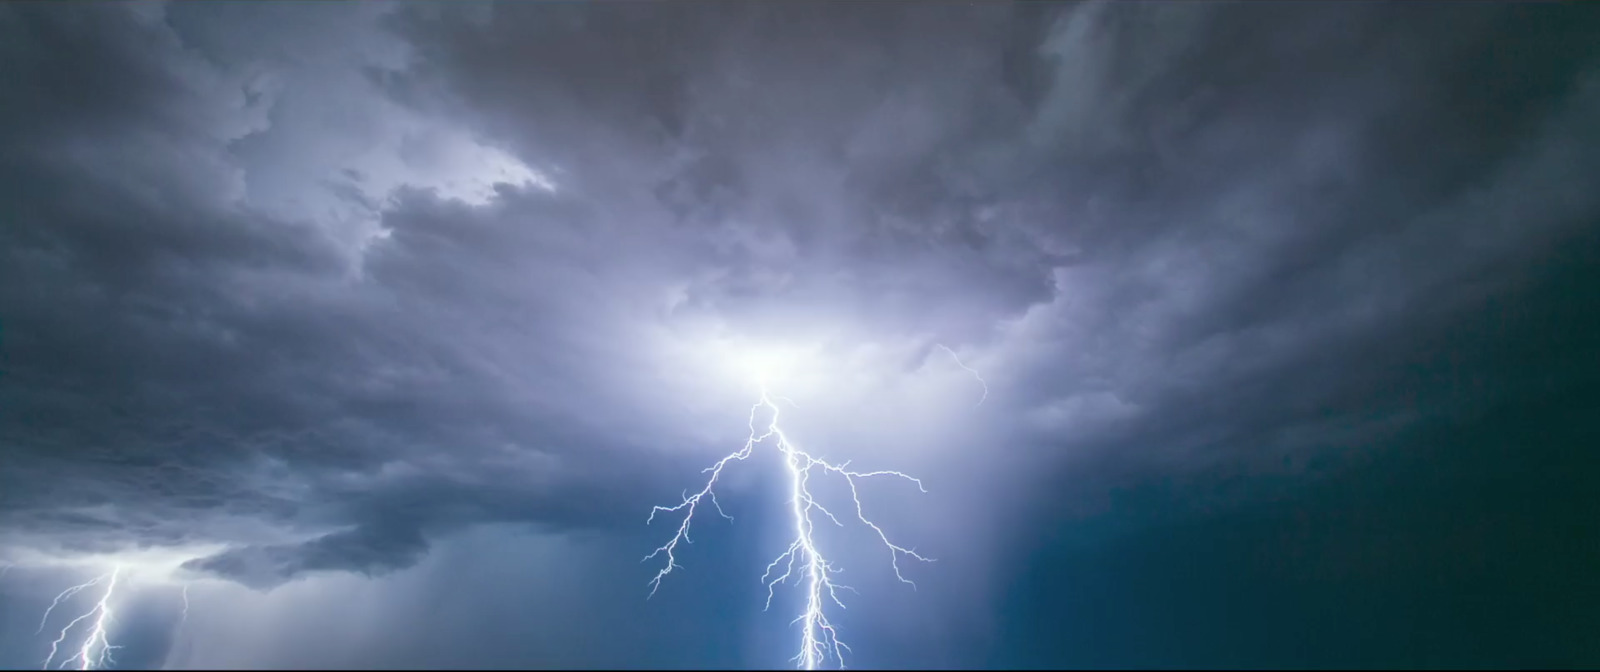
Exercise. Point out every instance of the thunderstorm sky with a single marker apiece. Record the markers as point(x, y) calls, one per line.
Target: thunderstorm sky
point(380, 328)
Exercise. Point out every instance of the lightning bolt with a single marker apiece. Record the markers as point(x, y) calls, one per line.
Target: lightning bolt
point(802, 560)
point(178, 655)
point(970, 370)
point(183, 616)
point(96, 648)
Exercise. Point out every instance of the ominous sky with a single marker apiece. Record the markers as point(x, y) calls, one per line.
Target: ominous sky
point(369, 334)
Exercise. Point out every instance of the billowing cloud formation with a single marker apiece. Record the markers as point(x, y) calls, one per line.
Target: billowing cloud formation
point(321, 283)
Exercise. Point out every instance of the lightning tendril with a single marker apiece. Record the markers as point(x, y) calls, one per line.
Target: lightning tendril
point(802, 560)
point(183, 616)
point(95, 651)
point(970, 370)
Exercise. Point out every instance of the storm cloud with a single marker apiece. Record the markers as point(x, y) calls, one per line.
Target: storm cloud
point(307, 289)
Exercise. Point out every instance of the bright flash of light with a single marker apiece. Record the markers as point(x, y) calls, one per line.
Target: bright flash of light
point(767, 363)
point(970, 370)
point(803, 560)
point(95, 650)
point(183, 616)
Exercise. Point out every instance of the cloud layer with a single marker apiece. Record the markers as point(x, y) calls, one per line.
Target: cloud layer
point(315, 285)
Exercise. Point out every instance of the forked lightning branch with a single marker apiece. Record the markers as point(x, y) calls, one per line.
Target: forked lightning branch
point(95, 648)
point(803, 561)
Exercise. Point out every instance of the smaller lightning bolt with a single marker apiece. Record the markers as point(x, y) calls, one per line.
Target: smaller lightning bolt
point(970, 370)
point(62, 596)
point(183, 616)
point(6, 569)
point(96, 648)
point(692, 502)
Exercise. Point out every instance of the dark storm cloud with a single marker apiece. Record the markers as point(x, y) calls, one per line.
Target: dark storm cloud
point(808, 153)
point(1163, 226)
point(1400, 200)
point(177, 362)
point(1237, 154)
point(1294, 275)
point(372, 550)
point(1240, 219)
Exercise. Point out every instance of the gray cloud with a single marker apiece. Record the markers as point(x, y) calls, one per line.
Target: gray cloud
point(171, 346)
point(373, 551)
point(319, 286)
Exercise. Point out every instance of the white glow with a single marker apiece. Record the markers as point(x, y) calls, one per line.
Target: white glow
point(147, 566)
point(749, 365)
point(763, 365)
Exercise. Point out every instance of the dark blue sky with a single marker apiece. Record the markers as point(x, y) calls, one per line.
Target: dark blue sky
point(374, 331)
